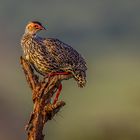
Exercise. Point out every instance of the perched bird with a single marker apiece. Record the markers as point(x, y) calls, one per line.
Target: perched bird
point(52, 56)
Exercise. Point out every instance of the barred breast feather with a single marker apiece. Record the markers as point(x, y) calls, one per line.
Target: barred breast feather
point(52, 55)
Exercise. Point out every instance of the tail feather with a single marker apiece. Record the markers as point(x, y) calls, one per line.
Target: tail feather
point(81, 79)
point(79, 75)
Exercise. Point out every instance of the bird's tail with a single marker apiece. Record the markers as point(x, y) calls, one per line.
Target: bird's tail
point(81, 78)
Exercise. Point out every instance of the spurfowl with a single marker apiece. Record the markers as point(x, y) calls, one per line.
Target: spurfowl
point(51, 56)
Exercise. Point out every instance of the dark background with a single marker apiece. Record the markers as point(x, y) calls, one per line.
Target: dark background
point(107, 34)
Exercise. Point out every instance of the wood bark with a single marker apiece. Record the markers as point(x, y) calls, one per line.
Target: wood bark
point(42, 94)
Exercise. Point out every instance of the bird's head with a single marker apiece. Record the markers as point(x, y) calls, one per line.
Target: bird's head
point(33, 27)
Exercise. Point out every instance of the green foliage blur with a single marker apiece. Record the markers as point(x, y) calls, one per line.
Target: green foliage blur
point(107, 34)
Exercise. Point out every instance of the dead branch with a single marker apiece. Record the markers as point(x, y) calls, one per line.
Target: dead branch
point(42, 92)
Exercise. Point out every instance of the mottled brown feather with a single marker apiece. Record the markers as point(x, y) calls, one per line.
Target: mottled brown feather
point(49, 55)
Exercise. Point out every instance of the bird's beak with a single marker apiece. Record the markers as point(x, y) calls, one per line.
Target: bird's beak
point(42, 28)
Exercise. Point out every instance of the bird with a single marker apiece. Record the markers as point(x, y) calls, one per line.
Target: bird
point(50, 56)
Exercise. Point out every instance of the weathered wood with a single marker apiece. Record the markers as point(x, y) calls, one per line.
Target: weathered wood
point(42, 92)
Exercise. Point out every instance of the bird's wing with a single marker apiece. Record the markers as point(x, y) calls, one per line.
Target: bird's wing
point(65, 55)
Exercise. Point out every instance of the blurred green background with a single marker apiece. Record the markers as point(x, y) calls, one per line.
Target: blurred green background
point(107, 34)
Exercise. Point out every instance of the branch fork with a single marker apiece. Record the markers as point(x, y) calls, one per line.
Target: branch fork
point(42, 93)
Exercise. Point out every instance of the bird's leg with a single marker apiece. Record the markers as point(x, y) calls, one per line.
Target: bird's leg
point(57, 93)
point(54, 74)
point(58, 73)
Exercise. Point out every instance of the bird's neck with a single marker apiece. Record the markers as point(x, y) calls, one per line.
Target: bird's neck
point(29, 35)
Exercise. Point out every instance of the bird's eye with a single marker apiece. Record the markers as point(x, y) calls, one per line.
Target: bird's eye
point(36, 26)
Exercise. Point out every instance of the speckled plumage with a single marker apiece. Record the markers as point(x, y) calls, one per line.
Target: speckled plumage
point(50, 55)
